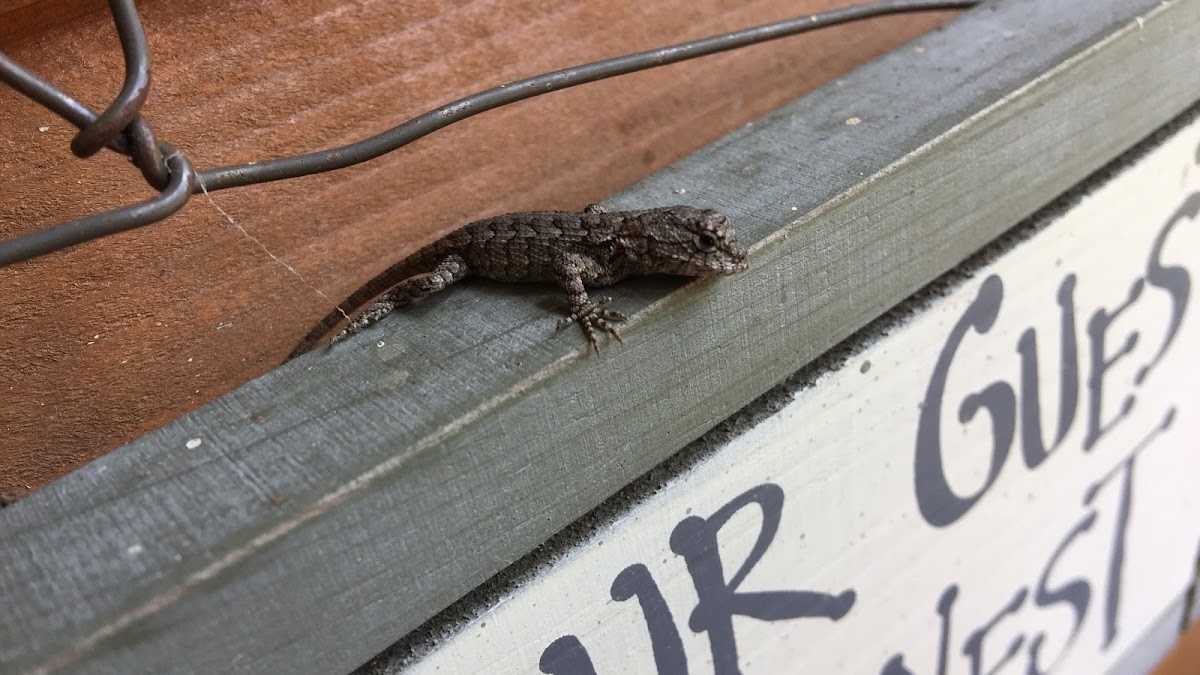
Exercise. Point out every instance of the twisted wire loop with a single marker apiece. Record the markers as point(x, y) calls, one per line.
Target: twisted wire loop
point(174, 195)
point(122, 129)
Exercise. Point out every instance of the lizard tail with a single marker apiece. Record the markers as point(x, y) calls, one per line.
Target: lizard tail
point(373, 288)
point(314, 336)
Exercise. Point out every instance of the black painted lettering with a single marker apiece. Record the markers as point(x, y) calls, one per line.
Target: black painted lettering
point(1101, 361)
point(1116, 557)
point(937, 501)
point(1173, 279)
point(1032, 446)
point(895, 665)
point(719, 600)
point(973, 647)
point(566, 656)
point(1076, 593)
point(636, 580)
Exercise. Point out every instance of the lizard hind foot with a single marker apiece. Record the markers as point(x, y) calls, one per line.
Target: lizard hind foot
point(592, 317)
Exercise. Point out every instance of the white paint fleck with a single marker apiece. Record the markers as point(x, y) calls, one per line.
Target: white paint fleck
point(135, 550)
point(795, 208)
point(919, 49)
point(43, 128)
point(852, 121)
point(193, 443)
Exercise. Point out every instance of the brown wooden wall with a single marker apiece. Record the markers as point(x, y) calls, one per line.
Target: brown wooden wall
point(1184, 659)
point(106, 341)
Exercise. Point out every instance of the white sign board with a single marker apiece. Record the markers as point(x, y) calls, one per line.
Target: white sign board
point(1007, 483)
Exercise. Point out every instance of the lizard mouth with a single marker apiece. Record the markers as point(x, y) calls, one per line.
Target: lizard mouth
point(722, 268)
point(738, 262)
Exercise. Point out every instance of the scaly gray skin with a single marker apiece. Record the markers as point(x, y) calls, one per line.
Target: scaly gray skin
point(573, 250)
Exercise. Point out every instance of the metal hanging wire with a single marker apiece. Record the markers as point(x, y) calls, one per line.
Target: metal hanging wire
point(122, 129)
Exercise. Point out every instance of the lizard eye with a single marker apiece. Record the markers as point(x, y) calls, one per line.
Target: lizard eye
point(706, 241)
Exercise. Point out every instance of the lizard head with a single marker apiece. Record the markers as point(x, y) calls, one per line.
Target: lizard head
point(695, 242)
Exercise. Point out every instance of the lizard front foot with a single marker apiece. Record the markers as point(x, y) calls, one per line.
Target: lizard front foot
point(591, 318)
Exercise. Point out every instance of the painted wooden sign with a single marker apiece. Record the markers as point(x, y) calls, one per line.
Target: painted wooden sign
point(1008, 482)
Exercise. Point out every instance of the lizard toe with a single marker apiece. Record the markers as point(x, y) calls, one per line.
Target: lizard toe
point(592, 319)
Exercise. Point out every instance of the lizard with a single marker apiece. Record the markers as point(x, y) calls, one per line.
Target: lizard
point(574, 250)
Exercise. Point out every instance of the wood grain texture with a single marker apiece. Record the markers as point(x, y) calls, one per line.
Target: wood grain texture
point(316, 514)
point(27, 20)
point(109, 340)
